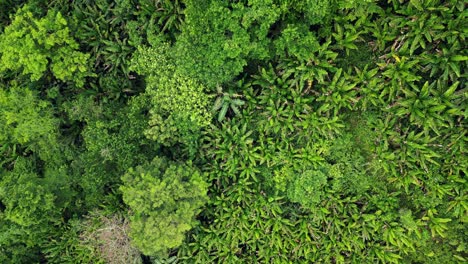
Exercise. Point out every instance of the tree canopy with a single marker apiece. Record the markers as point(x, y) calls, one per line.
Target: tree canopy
point(209, 131)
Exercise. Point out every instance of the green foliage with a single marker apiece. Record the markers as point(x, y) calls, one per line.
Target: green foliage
point(352, 173)
point(298, 41)
point(26, 123)
point(164, 197)
point(316, 11)
point(341, 134)
point(225, 101)
point(101, 28)
point(25, 119)
point(26, 201)
point(8, 7)
point(219, 37)
point(113, 141)
point(306, 188)
point(155, 19)
point(179, 106)
point(35, 45)
point(29, 212)
point(69, 247)
point(100, 237)
point(187, 103)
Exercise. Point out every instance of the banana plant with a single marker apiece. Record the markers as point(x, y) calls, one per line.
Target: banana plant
point(383, 33)
point(421, 107)
point(225, 101)
point(447, 63)
point(400, 73)
point(422, 31)
point(171, 15)
point(345, 37)
point(340, 93)
point(369, 87)
point(437, 225)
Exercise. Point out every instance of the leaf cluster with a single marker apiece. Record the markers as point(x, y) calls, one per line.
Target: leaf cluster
point(164, 198)
point(33, 46)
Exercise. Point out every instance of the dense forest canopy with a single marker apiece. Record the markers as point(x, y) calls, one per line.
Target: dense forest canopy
point(247, 131)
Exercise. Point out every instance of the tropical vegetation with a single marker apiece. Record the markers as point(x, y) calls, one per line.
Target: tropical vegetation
point(236, 131)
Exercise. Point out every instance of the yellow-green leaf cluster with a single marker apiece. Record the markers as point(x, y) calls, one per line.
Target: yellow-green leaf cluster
point(164, 197)
point(31, 46)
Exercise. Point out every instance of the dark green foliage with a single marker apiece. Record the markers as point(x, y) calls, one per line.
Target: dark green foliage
point(31, 209)
point(101, 30)
point(260, 131)
point(113, 141)
point(69, 247)
point(297, 41)
point(227, 101)
point(306, 188)
point(26, 122)
point(7, 8)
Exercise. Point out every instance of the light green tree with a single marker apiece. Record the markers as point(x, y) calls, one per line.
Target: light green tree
point(164, 197)
point(33, 46)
